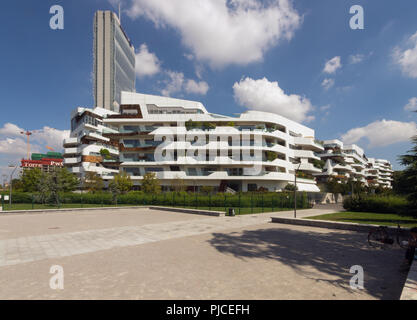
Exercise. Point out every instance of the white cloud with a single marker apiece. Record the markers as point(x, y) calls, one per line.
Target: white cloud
point(13, 142)
point(411, 105)
point(223, 32)
point(147, 63)
point(177, 83)
point(356, 58)
point(332, 65)
point(51, 137)
point(10, 129)
point(407, 58)
point(327, 83)
point(325, 107)
point(13, 146)
point(193, 86)
point(381, 133)
point(174, 84)
point(264, 95)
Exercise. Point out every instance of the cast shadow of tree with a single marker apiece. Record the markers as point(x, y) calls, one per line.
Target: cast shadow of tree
point(332, 253)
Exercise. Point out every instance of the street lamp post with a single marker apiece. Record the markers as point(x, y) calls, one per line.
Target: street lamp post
point(10, 183)
point(4, 180)
point(295, 191)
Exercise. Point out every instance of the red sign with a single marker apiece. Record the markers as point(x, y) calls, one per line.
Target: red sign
point(41, 163)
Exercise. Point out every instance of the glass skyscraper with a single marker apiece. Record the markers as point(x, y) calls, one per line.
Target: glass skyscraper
point(114, 61)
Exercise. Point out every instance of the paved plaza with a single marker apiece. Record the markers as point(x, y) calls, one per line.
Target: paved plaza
point(150, 254)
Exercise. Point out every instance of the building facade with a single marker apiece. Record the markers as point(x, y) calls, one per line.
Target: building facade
point(45, 162)
point(82, 150)
point(180, 139)
point(114, 61)
point(349, 162)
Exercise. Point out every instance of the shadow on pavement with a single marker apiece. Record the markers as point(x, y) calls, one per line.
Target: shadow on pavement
point(309, 252)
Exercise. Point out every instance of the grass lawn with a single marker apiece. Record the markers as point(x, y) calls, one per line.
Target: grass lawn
point(383, 219)
point(23, 206)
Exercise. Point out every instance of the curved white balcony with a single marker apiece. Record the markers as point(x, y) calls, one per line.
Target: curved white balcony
point(309, 143)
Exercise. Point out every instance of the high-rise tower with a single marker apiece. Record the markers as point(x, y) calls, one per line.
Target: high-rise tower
point(114, 61)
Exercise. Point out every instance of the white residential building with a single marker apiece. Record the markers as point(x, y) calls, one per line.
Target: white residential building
point(344, 162)
point(379, 172)
point(82, 149)
point(253, 151)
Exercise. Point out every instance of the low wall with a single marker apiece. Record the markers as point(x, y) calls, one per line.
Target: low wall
point(365, 228)
point(410, 286)
point(182, 210)
point(191, 211)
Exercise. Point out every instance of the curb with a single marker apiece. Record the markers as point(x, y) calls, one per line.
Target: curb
point(410, 286)
point(365, 228)
point(182, 210)
point(38, 211)
point(191, 211)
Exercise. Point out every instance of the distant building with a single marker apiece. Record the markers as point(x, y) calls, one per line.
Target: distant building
point(344, 162)
point(114, 61)
point(45, 162)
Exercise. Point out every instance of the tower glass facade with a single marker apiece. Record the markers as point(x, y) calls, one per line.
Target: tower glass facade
point(114, 61)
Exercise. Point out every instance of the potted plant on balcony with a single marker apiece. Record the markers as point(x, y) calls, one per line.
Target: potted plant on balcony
point(271, 156)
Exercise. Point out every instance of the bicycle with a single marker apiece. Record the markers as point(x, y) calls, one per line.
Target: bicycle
point(379, 237)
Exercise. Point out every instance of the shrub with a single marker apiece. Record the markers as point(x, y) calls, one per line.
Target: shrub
point(377, 204)
point(247, 200)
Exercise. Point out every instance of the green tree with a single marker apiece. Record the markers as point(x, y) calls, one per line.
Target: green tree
point(93, 182)
point(399, 183)
point(150, 183)
point(409, 180)
point(207, 189)
point(52, 183)
point(318, 163)
point(178, 184)
point(17, 185)
point(30, 179)
point(105, 154)
point(121, 183)
point(290, 187)
point(66, 180)
point(44, 188)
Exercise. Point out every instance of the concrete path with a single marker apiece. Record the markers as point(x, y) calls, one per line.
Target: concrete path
point(146, 254)
point(39, 247)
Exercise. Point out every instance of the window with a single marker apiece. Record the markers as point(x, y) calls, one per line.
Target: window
point(154, 169)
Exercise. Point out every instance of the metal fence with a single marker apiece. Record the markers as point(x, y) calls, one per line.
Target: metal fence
point(243, 203)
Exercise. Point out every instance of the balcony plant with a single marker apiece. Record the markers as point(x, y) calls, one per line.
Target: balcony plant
point(271, 156)
point(209, 126)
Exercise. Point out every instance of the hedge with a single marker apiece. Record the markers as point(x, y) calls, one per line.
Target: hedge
point(247, 200)
point(377, 204)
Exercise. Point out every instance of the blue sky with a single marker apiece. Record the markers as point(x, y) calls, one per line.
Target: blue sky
point(215, 54)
